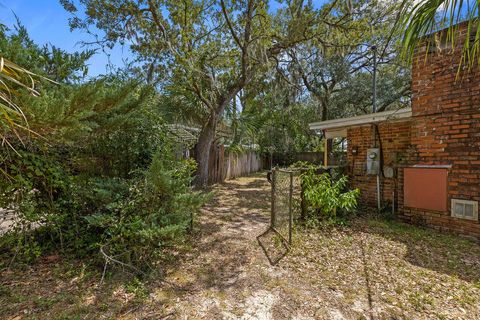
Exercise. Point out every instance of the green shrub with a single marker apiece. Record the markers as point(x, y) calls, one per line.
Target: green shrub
point(156, 214)
point(133, 220)
point(96, 169)
point(303, 165)
point(116, 186)
point(327, 198)
point(34, 186)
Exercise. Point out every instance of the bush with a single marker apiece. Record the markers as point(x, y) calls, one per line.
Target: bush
point(116, 186)
point(156, 214)
point(34, 186)
point(133, 219)
point(327, 198)
point(95, 169)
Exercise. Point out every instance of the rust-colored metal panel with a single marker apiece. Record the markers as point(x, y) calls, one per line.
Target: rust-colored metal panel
point(425, 188)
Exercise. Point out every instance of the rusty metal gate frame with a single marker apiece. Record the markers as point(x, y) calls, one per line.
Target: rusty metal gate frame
point(287, 240)
point(274, 209)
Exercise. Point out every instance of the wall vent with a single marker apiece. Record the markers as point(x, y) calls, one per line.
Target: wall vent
point(465, 209)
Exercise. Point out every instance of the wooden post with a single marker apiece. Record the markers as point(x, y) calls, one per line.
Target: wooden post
point(272, 213)
point(325, 153)
point(290, 214)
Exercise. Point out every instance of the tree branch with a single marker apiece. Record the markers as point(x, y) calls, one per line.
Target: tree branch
point(230, 26)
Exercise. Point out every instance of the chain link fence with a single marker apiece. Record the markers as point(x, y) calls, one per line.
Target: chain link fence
point(286, 201)
point(286, 208)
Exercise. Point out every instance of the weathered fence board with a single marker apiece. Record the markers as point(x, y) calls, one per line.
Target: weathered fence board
point(225, 165)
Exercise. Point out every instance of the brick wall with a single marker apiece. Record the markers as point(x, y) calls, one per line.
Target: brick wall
point(445, 130)
point(395, 140)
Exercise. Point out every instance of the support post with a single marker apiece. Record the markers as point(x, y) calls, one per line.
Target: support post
point(393, 203)
point(325, 153)
point(374, 109)
point(378, 193)
point(374, 85)
point(290, 215)
point(272, 213)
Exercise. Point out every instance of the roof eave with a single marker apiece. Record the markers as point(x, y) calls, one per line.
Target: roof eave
point(362, 120)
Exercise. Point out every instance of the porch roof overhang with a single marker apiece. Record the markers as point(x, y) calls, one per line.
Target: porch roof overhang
point(337, 127)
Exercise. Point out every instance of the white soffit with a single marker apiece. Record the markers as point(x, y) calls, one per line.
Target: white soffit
point(337, 124)
point(336, 133)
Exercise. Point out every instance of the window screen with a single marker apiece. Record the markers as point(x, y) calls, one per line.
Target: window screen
point(465, 209)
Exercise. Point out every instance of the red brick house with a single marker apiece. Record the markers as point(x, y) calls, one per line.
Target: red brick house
point(427, 157)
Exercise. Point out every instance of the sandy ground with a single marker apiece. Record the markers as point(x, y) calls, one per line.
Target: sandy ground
point(352, 273)
point(224, 279)
point(360, 272)
point(371, 269)
point(6, 220)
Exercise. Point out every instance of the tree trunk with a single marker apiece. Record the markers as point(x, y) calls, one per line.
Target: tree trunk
point(203, 149)
point(324, 110)
point(236, 138)
point(207, 136)
point(325, 104)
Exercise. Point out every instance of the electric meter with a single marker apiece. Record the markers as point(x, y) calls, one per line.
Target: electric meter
point(373, 161)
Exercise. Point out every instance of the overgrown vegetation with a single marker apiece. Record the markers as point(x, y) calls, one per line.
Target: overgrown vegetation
point(410, 273)
point(91, 166)
point(327, 197)
point(261, 70)
point(92, 175)
point(101, 175)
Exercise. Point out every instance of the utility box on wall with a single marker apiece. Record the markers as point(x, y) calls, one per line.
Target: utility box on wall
point(426, 187)
point(373, 161)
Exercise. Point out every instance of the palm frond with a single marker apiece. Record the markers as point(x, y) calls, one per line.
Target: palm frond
point(14, 79)
point(426, 17)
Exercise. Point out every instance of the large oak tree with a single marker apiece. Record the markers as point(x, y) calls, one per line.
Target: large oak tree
point(337, 70)
point(203, 52)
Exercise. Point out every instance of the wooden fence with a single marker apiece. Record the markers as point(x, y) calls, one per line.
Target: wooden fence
point(286, 159)
point(224, 165)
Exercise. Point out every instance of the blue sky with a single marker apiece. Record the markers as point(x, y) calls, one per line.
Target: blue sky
point(47, 23)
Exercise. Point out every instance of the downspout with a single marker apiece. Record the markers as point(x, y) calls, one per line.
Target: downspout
point(374, 89)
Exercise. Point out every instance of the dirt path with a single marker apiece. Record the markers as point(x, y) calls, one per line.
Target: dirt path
point(370, 269)
point(225, 276)
point(228, 275)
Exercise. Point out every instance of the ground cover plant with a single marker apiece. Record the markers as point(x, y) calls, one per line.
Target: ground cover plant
point(369, 268)
point(327, 196)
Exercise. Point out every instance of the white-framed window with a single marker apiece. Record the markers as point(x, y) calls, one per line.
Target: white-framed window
point(465, 209)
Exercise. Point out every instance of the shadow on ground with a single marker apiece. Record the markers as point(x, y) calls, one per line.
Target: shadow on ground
point(430, 249)
point(373, 269)
point(273, 245)
point(227, 226)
